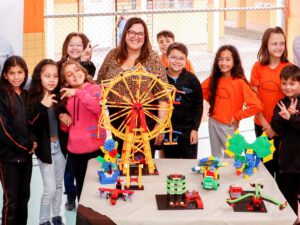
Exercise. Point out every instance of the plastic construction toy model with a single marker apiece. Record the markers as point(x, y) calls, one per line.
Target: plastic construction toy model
point(248, 156)
point(139, 105)
point(115, 194)
point(172, 137)
point(109, 171)
point(209, 168)
point(246, 201)
point(177, 196)
point(176, 188)
point(138, 179)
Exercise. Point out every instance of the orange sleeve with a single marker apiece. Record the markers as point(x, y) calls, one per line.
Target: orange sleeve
point(164, 60)
point(255, 76)
point(253, 103)
point(189, 66)
point(205, 89)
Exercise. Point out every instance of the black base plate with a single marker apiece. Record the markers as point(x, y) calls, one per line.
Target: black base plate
point(242, 205)
point(164, 204)
point(145, 171)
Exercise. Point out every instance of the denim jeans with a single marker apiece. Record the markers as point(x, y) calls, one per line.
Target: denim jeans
point(52, 175)
point(70, 188)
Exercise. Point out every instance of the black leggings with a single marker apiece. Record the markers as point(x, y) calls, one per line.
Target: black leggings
point(79, 165)
point(15, 179)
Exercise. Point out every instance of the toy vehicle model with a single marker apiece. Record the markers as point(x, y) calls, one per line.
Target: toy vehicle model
point(115, 194)
point(235, 192)
point(193, 199)
point(210, 183)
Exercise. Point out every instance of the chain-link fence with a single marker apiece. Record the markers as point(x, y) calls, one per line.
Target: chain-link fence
point(201, 24)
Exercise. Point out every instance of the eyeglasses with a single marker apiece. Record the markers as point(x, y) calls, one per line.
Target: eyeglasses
point(173, 58)
point(75, 45)
point(132, 34)
point(224, 60)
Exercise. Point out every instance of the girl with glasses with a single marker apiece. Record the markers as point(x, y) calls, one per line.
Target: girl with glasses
point(77, 47)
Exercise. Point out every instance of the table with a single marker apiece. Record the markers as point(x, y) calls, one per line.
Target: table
point(143, 209)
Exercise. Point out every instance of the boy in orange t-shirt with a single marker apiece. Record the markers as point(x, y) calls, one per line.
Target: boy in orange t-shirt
point(164, 39)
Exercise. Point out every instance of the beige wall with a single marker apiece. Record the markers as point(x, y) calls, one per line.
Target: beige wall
point(189, 28)
point(293, 24)
point(258, 19)
point(69, 24)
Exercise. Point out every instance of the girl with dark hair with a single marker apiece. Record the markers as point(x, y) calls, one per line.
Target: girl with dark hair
point(43, 116)
point(227, 91)
point(77, 47)
point(16, 142)
point(134, 48)
point(265, 80)
point(81, 97)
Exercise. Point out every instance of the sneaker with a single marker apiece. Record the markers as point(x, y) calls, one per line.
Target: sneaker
point(57, 220)
point(46, 223)
point(70, 205)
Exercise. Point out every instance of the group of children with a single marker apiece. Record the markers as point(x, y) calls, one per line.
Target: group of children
point(59, 116)
point(231, 98)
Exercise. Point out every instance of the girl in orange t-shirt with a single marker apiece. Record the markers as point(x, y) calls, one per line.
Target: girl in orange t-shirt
point(265, 80)
point(230, 97)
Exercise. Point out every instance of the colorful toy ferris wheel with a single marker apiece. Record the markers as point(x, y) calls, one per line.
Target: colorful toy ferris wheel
point(134, 107)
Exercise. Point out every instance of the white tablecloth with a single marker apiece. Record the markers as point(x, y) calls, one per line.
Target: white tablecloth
point(142, 210)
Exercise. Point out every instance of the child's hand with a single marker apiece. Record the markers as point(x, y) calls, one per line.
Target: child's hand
point(293, 107)
point(65, 119)
point(269, 131)
point(235, 123)
point(33, 148)
point(159, 139)
point(86, 55)
point(284, 113)
point(67, 92)
point(48, 100)
point(194, 137)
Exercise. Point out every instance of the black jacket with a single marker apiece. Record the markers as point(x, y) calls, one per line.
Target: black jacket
point(187, 115)
point(40, 126)
point(289, 133)
point(16, 140)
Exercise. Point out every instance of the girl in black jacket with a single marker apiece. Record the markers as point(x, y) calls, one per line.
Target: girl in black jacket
point(43, 115)
point(16, 143)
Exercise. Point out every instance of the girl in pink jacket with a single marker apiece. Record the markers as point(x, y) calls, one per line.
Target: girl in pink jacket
point(81, 99)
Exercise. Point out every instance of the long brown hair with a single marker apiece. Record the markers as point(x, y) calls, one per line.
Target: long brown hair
point(4, 83)
point(87, 78)
point(36, 91)
point(122, 53)
point(64, 52)
point(237, 71)
point(263, 55)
